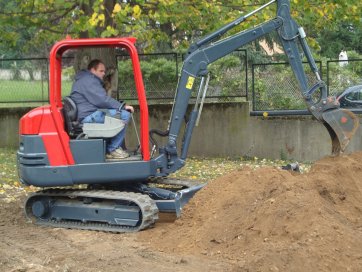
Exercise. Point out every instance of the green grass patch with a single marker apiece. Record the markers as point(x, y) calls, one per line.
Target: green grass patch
point(8, 169)
point(26, 90)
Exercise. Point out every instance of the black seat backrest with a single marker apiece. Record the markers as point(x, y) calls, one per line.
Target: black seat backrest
point(70, 112)
point(70, 108)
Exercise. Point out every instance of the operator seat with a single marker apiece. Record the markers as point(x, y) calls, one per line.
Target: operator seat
point(110, 128)
point(72, 125)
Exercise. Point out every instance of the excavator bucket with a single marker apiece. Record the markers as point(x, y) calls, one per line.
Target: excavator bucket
point(341, 125)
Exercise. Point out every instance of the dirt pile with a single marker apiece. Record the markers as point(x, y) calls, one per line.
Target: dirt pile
point(275, 220)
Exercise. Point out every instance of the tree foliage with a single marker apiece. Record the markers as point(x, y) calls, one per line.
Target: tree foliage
point(346, 36)
point(158, 25)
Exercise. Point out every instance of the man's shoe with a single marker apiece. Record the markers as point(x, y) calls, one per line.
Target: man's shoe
point(114, 155)
point(121, 153)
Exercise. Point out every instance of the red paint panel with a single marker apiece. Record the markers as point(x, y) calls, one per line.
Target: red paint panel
point(54, 149)
point(41, 121)
point(30, 123)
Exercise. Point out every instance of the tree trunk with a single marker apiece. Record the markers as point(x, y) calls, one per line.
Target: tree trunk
point(106, 55)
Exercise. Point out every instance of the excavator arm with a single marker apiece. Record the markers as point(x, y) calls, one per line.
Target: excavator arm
point(341, 124)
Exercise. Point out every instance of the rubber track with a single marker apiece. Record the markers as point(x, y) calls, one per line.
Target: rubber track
point(147, 206)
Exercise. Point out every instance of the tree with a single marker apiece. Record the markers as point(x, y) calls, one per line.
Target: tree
point(33, 26)
point(319, 17)
point(344, 37)
point(165, 23)
point(158, 25)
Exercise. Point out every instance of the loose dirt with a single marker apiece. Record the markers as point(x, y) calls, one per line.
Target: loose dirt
point(30, 248)
point(249, 220)
point(275, 220)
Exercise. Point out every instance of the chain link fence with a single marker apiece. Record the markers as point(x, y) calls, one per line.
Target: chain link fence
point(228, 77)
point(342, 74)
point(275, 88)
point(24, 82)
point(159, 72)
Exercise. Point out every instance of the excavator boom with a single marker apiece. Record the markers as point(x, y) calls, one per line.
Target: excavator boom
point(340, 123)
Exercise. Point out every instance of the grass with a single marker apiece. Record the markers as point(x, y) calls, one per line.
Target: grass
point(8, 170)
point(206, 169)
point(26, 90)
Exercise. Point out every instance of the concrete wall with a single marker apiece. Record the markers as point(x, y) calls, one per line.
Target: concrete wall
point(226, 129)
point(9, 126)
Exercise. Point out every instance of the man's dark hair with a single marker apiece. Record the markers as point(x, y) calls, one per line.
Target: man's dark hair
point(94, 64)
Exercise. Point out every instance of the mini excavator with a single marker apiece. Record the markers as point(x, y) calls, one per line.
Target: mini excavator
point(56, 152)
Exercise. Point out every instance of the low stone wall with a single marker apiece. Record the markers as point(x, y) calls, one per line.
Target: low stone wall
point(9, 126)
point(226, 129)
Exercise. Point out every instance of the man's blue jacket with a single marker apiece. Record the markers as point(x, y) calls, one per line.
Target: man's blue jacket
point(89, 95)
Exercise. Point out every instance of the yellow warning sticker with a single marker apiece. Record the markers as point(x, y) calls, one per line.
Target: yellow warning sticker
point(190, 82)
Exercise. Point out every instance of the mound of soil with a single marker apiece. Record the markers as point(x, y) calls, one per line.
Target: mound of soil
point(274, 220)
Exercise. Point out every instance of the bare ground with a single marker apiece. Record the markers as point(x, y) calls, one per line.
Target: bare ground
point(26, 247)
point(249, 220)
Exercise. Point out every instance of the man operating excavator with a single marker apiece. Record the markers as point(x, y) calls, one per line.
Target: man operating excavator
point(93, 104)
